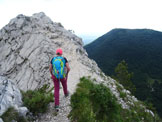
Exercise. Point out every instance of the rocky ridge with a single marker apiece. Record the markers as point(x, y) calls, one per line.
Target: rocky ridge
point(27, 45)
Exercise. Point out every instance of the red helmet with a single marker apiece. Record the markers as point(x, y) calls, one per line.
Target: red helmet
point(59, 51)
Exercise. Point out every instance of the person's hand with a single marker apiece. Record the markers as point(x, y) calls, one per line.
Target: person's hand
point(66, 75)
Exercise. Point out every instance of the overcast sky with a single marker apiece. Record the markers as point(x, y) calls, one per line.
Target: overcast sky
point(89, 17)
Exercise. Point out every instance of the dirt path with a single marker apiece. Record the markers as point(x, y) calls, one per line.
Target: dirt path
point(78, 70)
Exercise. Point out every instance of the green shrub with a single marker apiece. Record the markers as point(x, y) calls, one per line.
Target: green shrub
point(104, 104)
point(137, 113)
point(37, 101)
point(12, 115)
point(119, 88)
point(92, 103)
point(122, 94)
point(81, 104)
point(95, 103)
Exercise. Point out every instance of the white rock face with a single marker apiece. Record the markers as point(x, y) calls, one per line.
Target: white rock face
point(27, 45)
point(1, 120)
point(10, 96)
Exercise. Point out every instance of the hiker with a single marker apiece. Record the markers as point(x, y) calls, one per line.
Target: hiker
point(59, 69)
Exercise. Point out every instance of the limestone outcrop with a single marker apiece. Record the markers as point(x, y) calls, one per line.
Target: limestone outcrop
point(10, 96)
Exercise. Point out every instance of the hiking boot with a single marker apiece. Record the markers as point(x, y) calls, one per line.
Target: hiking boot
point(66, 95)
point(57, 108)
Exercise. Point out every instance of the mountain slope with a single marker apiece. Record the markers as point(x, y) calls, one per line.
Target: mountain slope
point(27, 44)
point(141, 49)
point(138, 45)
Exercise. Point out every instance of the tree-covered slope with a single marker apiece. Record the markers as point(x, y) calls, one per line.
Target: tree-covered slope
point(142, 51)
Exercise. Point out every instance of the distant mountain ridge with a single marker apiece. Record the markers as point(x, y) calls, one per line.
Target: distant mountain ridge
point(126, 41)
point(142, 51)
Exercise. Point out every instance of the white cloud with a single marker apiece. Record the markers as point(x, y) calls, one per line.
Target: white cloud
point(89, 16)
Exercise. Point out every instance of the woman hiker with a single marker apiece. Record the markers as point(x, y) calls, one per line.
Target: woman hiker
point(59, 69)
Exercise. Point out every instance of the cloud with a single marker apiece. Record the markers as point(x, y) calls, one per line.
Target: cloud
point(89, 16)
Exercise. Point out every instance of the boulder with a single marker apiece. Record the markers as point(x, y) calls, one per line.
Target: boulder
point(10, 96)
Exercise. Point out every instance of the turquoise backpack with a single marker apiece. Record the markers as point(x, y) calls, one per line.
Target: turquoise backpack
point(58, 65)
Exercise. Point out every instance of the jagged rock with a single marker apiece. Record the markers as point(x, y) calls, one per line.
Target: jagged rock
point(22, 110)
point(27, 45)
point(1, 120)
point(10, 96)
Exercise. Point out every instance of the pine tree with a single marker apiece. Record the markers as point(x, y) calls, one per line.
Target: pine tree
point(124, 77)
